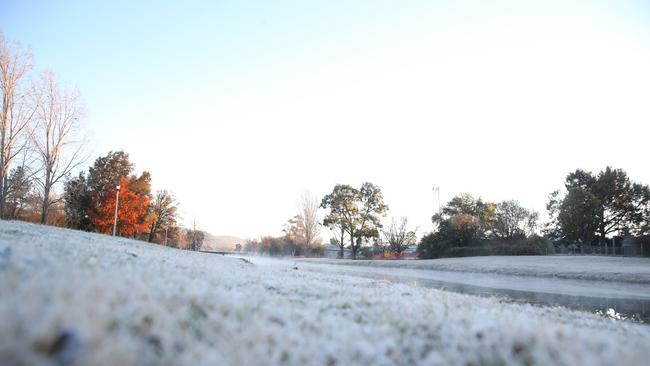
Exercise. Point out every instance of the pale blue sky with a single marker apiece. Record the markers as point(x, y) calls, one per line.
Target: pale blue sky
point(238, 106)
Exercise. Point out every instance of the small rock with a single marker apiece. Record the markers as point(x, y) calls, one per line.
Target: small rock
point(179, 347)
point(5, 254)
point(64, 349)
point(155, 343)
point(518, 348)
point(5, 251)
point(276, 320)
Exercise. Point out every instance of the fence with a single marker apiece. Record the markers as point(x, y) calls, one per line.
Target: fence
point(592, 250)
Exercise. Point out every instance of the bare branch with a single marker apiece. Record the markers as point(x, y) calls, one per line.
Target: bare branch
point(58, 152)
point(309, 205)
point(16, 110)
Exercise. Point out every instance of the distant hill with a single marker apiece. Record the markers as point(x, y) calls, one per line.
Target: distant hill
point(221, 242)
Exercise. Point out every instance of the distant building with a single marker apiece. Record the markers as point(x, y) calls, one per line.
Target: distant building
point(636, 246)
point(411, 252)
point(333, 251)
point(411, 249)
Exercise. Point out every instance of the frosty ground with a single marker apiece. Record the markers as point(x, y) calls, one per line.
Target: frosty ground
point(79, 298)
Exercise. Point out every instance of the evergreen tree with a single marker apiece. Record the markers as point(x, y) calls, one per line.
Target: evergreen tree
point(78, 202)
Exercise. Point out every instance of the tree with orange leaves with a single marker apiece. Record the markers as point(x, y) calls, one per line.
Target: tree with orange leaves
point(132, 215)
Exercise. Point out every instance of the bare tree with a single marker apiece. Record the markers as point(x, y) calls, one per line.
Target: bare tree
point(309, 205)
point(164, 209)
point(58, 152)
point(294, 230)
point(195, 237)
point(17, 110)
point(398, 236)
point(512, 220)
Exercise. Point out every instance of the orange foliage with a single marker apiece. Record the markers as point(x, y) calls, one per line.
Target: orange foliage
point(460, 220)
point(132, 215)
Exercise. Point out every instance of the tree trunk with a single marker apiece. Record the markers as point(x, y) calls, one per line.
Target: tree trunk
point(603, 239)
point(3, 195)
point(46, 195)
point(3, 178)
point(152, 232)
point(342, 242)
point(46, 205)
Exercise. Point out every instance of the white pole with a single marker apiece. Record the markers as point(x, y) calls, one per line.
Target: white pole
point(117, 201)
point(436, 190)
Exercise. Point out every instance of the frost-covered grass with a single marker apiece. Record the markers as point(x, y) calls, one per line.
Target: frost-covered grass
point(588, 267)
point(77, 298)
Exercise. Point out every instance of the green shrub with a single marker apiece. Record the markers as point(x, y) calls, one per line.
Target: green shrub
point(431, 246)
point(466, 252)
point(544, 244)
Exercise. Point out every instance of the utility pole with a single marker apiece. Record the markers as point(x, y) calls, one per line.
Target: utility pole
point(117, 201)
point(436, 190)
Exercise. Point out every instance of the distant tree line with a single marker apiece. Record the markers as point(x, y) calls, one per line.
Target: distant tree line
point(591, 209)
point(469, 226)
point(355, 217)
point(301, 233)
point(280, 246)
